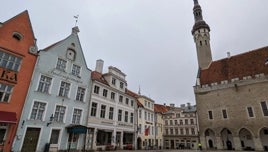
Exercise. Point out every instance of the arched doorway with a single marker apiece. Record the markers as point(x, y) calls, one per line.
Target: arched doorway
point(139, 143)
point(246, 139)
point(227, 139)
point(210, 138)
point(264, 138)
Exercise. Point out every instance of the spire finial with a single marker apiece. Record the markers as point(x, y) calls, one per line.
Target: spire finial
point(76, 19)
point(195, 2)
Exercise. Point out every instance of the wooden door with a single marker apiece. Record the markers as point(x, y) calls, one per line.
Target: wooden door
point(30, 140)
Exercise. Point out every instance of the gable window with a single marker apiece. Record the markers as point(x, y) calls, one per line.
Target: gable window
point(76, 70)
point(210, 116)
point(80, 94)
point(76, 116)
point(105, 92)
point(38, 110)
point(224, 113)
point(250, 112)
point(113, 81)
point(103, 109)
point(9, 61)
point(93, 109)
point(44, 84)
point(264, 108)
point(96, 89)
point(54, 138)
point(61, 64)
point(5, 92)
point(64, 89)
point(119, 115)
point(59, 113)
point(111, 113)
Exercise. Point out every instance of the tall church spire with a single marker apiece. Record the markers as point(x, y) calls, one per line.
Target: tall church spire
point(201, 36)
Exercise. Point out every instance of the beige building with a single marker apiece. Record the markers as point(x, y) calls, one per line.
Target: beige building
point(180, 127)
point(231, 95)
point(159, 111)
point(146, 138)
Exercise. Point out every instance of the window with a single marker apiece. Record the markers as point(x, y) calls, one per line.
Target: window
point(112, 95)
point(3, 132)
point(166, 131)
point(54, 138)
point(140, 114)
point(127, 100)
point(64, 89)
point(177, 115)
point(181, 122)
point(192, 121)
point(17, 36)
point(264, 108)
point(250, 112)
point(44, 84)
point(176, 131)
point(210, 116)
point(166, 122)
point(126, 116)
point(38, 110)
point(139, 128)
point(171, 131)
point(152, 117)
point(186, 131)
point(193, 131)
point(59, 113)
point(113, 81)
point(5, 92)
point(145, 103)
point(93, 109)
point(131, 117)
point(80, 94)
point(176, 122)
point(104, 92)
point(145, 115)
point(120, 99)
point(119, 115)
point(76, 70)
point(171, 122)
point(181, 130)
point(132, 103)
point(224, 113)
point(186, 121)
point(61, 64)
point(9, 61)
point(96, 89)
point(121, 85)
point(103, 109)
point(77, 116)
point(111, 113)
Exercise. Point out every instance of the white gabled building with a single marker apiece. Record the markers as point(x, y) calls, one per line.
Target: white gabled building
point(56, 108)
point(111, 118)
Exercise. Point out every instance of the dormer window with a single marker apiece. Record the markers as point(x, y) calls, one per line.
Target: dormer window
point(17, 36)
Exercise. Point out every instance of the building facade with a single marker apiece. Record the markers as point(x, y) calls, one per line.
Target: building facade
point(159, 111)
point(231, 96)
point(180, 127)
point(55, 112)
point(111, 118)
point(146, 138)
point(18, 54)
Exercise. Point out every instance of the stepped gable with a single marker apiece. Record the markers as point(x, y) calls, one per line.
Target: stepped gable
point(238, 66)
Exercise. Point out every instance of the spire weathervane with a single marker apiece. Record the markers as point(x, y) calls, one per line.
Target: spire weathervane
point(195, 2)
point(76, 19)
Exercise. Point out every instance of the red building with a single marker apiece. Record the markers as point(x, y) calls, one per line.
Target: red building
point(18, 54)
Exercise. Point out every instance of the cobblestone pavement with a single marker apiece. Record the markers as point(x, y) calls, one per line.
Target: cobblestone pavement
point(176, 151)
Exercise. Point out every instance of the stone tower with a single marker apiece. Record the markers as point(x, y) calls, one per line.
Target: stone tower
point(201, 36)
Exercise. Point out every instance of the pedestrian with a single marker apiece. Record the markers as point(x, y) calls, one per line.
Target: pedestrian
point(199, 146)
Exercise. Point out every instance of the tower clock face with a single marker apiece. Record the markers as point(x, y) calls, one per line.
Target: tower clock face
point(70, 54)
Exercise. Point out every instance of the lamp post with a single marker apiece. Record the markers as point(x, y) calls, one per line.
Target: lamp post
point(50, 120)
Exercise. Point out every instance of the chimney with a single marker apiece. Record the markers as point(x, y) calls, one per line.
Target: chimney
point(172, 105)
point(182, 105)
point(228, 55)
point(99, 65)
point(188, 105)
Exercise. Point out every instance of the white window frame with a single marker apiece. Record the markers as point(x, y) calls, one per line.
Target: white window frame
point(38, 110)
point(46, 84)
point(64, 116)
point(76, 115)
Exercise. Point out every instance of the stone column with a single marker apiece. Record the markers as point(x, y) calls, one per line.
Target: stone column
point(258, 144)
point(218, 143)
point(237, 143)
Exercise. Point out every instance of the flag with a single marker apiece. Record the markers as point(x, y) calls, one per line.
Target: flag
point(147, 130)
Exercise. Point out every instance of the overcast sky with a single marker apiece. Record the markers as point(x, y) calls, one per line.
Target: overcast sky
point(149, 40)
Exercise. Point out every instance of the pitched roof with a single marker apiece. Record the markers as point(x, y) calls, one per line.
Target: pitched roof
point(98, 77)
point(160, 108)
point(131, 93)
point(238, 66)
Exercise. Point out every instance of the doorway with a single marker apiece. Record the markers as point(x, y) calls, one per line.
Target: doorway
point(30, 140)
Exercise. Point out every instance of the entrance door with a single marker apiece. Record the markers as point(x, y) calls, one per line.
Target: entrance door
point(30, 139)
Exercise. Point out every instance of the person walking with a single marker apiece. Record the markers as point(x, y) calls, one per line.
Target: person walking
point(199, 146)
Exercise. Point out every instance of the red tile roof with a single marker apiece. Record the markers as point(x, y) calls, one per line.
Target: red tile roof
point(98, 77)
point(131, 93)
point(238, 66)
point(160, 108)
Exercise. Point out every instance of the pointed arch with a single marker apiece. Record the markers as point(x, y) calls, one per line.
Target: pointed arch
point(227, 139)
point(210, 138)
point(263, 134)
point(246, 139)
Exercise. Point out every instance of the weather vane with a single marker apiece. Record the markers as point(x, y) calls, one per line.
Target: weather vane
point(76, 19)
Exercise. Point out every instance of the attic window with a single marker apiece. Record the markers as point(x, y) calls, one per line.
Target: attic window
point(17, 36)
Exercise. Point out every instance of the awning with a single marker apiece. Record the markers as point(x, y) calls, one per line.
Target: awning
point(8, 117)
point(78, 129)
